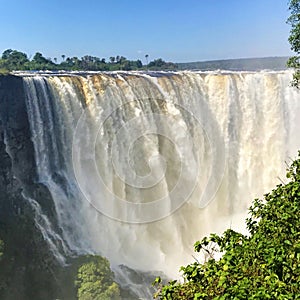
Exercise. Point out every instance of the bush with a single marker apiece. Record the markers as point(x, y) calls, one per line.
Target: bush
point(4, 71)
point(262, 265)
point(95, 280)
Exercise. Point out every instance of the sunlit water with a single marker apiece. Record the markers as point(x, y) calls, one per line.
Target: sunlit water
point(188, 151)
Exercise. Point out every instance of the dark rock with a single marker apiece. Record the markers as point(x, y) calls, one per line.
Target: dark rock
point(28, 269)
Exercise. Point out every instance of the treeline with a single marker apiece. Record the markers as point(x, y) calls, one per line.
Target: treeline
point(13, 60)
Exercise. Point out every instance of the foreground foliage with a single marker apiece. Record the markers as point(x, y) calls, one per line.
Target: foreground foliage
point(294, 39)
point(95, 280)
point(262, 265)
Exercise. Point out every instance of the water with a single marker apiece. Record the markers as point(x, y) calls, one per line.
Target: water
point(140, 166)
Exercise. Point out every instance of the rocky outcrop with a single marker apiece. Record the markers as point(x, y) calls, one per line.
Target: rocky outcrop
point(28, 268)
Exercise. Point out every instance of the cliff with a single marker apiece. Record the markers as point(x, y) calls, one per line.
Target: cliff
point(27, 267)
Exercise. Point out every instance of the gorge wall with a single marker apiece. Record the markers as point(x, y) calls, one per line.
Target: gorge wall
point(27, 266)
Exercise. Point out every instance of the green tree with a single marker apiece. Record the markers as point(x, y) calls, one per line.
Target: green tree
point(159, 64)
point(39, 58)
point(95, 281)
point(6, 54)
point(294, 39)
point(146, 56)
point(262, 265)
point(39, 62)
point(139, 64)
point(14, 60)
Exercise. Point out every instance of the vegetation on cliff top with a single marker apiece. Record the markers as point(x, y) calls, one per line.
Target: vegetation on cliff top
point(13, 60)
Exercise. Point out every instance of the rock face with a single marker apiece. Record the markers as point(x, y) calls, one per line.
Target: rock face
point(27, 269)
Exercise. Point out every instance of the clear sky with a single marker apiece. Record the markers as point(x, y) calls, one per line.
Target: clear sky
point(175, 30)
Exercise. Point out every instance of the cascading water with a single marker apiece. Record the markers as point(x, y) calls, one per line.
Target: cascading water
point(140, 166)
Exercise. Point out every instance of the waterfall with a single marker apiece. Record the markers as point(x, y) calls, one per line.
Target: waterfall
point(141, 165)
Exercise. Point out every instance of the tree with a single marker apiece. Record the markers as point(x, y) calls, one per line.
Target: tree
point(95, 281)
point(39, 58)
point(159, 64)
point(262, 265)
point(122, 59)
point(294, 39)
point(75, 63)
point(126, 65)
point(156, 63)
point(14, 60)
point(6, 54)
point(139, 64)
point(39, 62)
point(146, 56)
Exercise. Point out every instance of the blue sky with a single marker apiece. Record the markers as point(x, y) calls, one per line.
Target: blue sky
point(185, 30)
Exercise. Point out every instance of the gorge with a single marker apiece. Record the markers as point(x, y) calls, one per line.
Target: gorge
point(135, 166)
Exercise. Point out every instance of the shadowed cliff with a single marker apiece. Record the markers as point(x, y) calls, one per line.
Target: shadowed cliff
point(27, 267)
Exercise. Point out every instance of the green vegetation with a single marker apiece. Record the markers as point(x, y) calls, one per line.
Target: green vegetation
point(294, 39)
point(4, 71)
point(159, 64)
point(95, 280)
point(262, 265)
point(13, 60)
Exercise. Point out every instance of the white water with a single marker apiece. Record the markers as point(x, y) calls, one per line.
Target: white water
point(187, 151)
